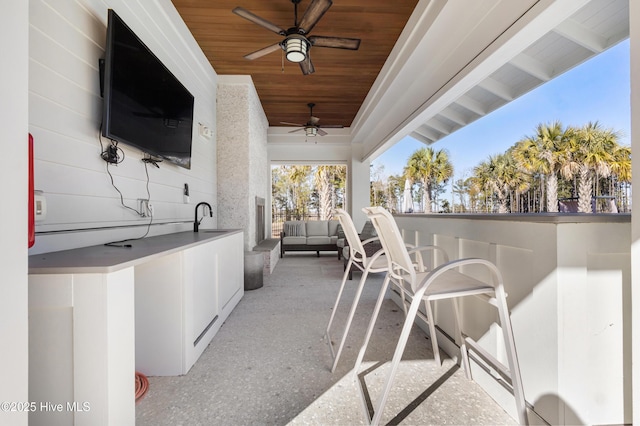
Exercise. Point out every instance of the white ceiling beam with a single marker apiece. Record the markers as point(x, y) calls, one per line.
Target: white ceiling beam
point(454, 116)
point(497, 88)
point(439, 126)
point(532, 66)
point(420, 137)
point(428, 133)
point(581, 35)
point(471, 104)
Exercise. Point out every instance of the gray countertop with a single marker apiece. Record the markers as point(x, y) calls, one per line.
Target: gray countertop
point(106, 259)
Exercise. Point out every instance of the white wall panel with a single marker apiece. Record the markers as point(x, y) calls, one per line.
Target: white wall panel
point(66, 40)
point(14, 320)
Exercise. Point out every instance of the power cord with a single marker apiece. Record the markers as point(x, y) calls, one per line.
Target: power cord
point(119, 243)
point(151, 160)
point(112, 156)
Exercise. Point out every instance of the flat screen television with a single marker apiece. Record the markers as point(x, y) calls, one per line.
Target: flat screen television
point(145, 105)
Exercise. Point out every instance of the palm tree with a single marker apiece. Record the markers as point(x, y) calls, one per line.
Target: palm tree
point(546, 153)
point(429, 167)
point(621, 171)
point(593, 153)
point(481, 184)
point(498, 176)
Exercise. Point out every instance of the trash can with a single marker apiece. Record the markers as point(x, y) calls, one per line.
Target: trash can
point(253, 269)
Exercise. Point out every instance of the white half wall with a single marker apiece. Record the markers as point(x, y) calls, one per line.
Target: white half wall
point(66, 40)
point(14, 331)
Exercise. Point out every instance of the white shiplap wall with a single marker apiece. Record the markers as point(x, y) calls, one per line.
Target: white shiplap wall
point(66, 39)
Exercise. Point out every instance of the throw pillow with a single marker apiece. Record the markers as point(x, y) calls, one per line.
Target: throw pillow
point(291, 229)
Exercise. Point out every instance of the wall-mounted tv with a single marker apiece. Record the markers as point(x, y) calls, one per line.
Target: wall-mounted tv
point(145, 105)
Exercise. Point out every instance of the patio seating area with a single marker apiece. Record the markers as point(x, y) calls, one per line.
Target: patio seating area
point(269, 363)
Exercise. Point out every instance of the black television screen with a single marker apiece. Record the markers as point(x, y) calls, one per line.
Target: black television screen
point(145, 106)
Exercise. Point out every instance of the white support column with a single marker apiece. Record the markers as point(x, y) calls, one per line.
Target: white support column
point(634, 29)
point(359, 181)
point(14, 93)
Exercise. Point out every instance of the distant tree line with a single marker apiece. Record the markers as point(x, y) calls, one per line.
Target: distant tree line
point(301, 191)
point(555, 163)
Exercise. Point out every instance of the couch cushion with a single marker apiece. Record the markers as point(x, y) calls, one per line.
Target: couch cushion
point(333, 227)
point(318, 228)
point(287, 241)
point(334, 239)
point(368, 231)
point(294, 228)
point(318, 240)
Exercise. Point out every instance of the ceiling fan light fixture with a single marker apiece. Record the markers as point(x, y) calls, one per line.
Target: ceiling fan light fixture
point(296, 47)
point(311, 131)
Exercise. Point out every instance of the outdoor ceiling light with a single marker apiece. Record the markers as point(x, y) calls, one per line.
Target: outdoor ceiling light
point(296, 47)
point(311, 131)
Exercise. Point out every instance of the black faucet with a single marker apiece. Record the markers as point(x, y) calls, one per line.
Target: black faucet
point(196, 222)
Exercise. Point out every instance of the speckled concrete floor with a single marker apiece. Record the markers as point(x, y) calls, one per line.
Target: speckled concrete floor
point(269, 364)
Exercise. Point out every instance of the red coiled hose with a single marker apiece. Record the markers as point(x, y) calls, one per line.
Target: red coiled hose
point(142, 386)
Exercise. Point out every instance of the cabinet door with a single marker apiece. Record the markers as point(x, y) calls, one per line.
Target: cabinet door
point(231, 274)
point(158, 312)
point(201, 274)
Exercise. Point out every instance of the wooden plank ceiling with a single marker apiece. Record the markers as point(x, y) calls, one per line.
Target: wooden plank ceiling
point(342, 78)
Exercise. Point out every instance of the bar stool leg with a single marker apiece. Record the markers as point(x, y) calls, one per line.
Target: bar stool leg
point(372, 323)
point(432, 332)
point(395, 362)
point(512, 358)
point(352, 312)
point(462, 343)
point(335, 307)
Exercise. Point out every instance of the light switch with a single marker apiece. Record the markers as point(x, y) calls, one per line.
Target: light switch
point(39, 206)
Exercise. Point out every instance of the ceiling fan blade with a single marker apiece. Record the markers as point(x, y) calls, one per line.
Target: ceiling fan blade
point(332, 126)
point(264, 51)
point(298, 130)
point(291, 124)
point(312, 15)
point(307, 66)
point(335, 42)
point(244, 13)
point(322, 132)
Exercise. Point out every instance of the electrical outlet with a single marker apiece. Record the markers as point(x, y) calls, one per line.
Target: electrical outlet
point(145, 208)
point(205, 131)
point(185, 194)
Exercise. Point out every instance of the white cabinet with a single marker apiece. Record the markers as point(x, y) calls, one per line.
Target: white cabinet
point(201, 268)
point(231, 263)
point(81, 348)
point(98, 314)
point(182, 300)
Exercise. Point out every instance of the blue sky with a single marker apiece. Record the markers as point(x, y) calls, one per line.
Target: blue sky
point(597, 90)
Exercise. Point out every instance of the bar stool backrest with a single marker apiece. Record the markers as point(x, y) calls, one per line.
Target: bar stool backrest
point(356, 249)
point(401, 266)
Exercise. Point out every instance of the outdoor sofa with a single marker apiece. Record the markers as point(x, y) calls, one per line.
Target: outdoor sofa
point(313, 235)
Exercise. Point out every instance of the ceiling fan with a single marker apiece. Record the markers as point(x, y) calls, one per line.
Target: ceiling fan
point(297, 41)
point(312, 128)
